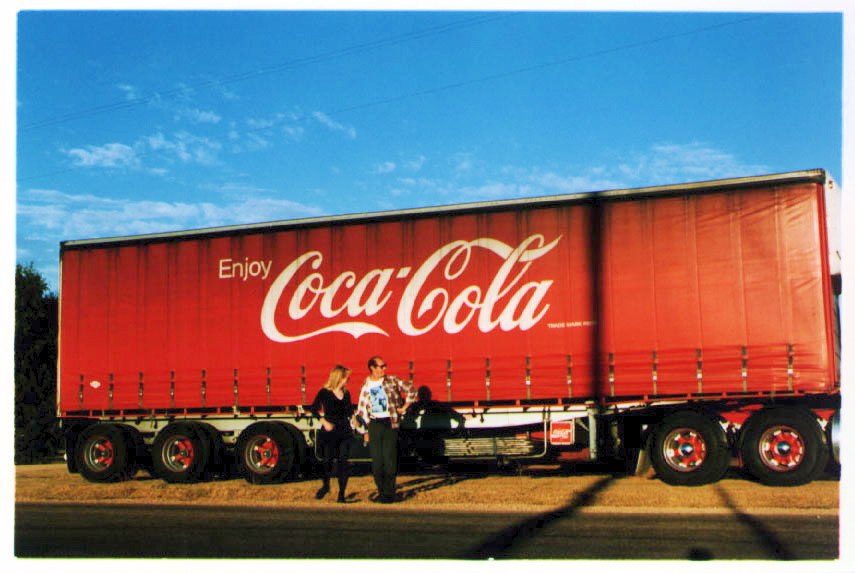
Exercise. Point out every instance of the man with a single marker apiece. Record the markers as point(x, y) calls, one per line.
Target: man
point(383, 401)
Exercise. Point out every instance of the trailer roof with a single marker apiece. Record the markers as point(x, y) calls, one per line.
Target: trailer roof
point(811, 175)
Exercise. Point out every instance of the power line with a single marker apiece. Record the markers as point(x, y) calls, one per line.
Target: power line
point(528, 69)
point(540, 66)
point(487, 78)
point(251, 74)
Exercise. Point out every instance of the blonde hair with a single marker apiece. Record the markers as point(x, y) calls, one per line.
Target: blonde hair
point(337, 374)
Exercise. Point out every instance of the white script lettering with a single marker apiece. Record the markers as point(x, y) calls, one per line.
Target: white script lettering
point(506, 303)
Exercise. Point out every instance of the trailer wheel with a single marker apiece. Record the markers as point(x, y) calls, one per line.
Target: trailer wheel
point(266, 453)
point(783, 447)
point(690, 449)
point(180, 453)
point(104, 455)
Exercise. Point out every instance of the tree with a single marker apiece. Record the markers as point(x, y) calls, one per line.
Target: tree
point(37, 434)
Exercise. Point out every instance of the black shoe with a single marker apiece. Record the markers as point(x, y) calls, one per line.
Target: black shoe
point(387, 499)
point(341, 498)
point(325, 489)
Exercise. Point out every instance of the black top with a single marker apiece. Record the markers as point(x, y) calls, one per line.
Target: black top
point(338, 412)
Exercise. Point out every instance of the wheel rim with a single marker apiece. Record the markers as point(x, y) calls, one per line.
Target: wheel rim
point(100, 454)
point(262, 454)
point(782, 448)
point(684, 449)
point(178, 453)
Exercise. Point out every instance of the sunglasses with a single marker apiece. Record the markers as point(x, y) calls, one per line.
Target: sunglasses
point(380, 366)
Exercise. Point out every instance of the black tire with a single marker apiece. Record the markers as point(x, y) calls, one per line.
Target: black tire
point(104, 453)
point(217, 463)
point(689, 448)
point(783, 446)
point(180, 453)
point(136, 449)
point(301, 450)
point(266, 453)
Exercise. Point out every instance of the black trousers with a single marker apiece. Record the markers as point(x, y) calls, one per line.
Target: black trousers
point(335, 449)
point(383, 446)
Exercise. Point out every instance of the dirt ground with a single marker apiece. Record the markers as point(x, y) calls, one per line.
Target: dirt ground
point(534, 488)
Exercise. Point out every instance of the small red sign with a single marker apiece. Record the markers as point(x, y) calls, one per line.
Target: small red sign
point(562, 433)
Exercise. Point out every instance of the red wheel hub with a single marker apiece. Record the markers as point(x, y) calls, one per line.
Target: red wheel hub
point(264, 453)
point(684, 449)
point(102, 453)
point(179, 453)
point(182, 452)
point(782, 448)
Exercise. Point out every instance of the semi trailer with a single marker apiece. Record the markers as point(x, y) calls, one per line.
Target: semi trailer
point(694, 325)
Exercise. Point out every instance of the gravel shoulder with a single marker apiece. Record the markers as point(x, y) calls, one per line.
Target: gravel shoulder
point(535, 489)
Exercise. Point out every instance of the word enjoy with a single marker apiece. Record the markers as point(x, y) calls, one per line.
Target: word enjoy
point(424, 303)
point(230, 269)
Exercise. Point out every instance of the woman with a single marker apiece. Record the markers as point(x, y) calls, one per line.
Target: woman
point(335, 410)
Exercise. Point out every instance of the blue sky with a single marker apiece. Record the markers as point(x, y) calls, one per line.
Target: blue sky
point(137, 122)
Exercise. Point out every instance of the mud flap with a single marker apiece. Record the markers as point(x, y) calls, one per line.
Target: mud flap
point(643, 467)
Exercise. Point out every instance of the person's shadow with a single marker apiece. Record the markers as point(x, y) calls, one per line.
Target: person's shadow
point(428, 423)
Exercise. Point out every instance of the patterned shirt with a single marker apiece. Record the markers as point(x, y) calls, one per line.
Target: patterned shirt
point(393, 387)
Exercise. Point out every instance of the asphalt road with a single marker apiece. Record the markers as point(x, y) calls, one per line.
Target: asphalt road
point(52, 530)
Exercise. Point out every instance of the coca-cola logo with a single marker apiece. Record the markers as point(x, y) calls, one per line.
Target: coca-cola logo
point(348, 301)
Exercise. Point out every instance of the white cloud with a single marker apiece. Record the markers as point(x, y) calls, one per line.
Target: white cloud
point(333, 125)
point(200, 116)
point(465, 184)
point(58, 197)
point(413, 165)
point(60, 216)
point(182, 147)
point(185, 147)
point(469, 178)
point(417, 163)
point(259, 209)
point(666, 163)
point(238, 191)
point(109, 155)
point(131, 93)
point(417, 182)
point(463, 162)
point(550, 183)
point(662, 163)
point(261, 123)
point(294, 133)
point(180, 102)
point(254, 142)
point(384, 168)
point(494, 191)
point(254, 137)
point(251, 140)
